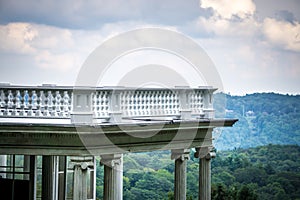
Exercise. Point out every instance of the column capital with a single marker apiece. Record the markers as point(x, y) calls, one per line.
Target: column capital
point(84, 162)
point(205, 152)
point(111, 160)
point(182, 154)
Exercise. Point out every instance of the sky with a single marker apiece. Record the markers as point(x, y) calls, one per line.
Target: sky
point(254, 44)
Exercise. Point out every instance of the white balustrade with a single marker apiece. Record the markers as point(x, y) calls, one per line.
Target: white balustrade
point(57, 102)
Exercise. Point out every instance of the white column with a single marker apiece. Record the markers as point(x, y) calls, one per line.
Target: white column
point(205, 155)
point(32, 177)
point(80, 166)
point(3, 160)
point(62, 177)
point(26, 167)
point(113, 176)
point(181, 157)
point(49, 178)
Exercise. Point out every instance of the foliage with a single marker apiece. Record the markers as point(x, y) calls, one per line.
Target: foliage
point(265, 172)
point(265, 118)
point(247, 166)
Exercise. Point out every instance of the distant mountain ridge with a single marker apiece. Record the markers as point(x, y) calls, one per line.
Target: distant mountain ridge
point(264, 118)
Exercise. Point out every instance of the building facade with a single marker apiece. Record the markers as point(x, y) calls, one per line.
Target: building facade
point(50, 136)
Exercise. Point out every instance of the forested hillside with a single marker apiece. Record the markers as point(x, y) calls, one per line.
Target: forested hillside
point(265, 118)
point(266, 172)
point(258, 158)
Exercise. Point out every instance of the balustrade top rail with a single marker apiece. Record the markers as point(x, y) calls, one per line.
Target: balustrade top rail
point(104, 104)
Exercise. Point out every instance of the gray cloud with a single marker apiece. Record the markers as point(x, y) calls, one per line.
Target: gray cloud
point(251, 54)
point(285, 15)
point(271, 8)
point(92, 15)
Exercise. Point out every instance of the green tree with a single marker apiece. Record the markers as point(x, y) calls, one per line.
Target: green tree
point(246, 193)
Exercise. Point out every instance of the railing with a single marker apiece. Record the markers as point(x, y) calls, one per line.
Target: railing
point(105, 104)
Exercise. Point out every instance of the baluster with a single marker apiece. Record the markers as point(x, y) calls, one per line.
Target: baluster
point(131, 102)
point(151, 103)
point(122, 104)
point(159, 103)
point(172, 103)
point(126, 106)
point(143, 111)
point(201, 105)
point(107, 103)
point(42, 104)
point(193, 102)
point(147, 102)
point(199, 101)
point(100, 103)
point(18, 103)
point(57, 104)
point(2, 99)
point(136, 105)
point(169, 103)
point(103, 103)
point(34, 102)
point(173, 108)
point(163, 102)
point(2, 103)
point(155, 108)
point(166, 101)
point(10, 103)
point(129, 97)
point(18, 99)
point(10, 98)
point(26, 100)
point(66, 104)
point(128, 103)
point(49, 105)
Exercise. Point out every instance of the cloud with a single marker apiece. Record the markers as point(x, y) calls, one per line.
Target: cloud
point(50, 37)
point(285, 15)
point(229, 18)
point(227, 9)
point(57, 48)
point(49, 47)
point(235, 18)
point(62, 62)
point(227, 28)
point(93, 14)
point(252, 45)
point(247, 66)
point(282, 33)
point(16, 37)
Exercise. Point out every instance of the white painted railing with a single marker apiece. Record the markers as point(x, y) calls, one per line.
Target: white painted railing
point(104, 103)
